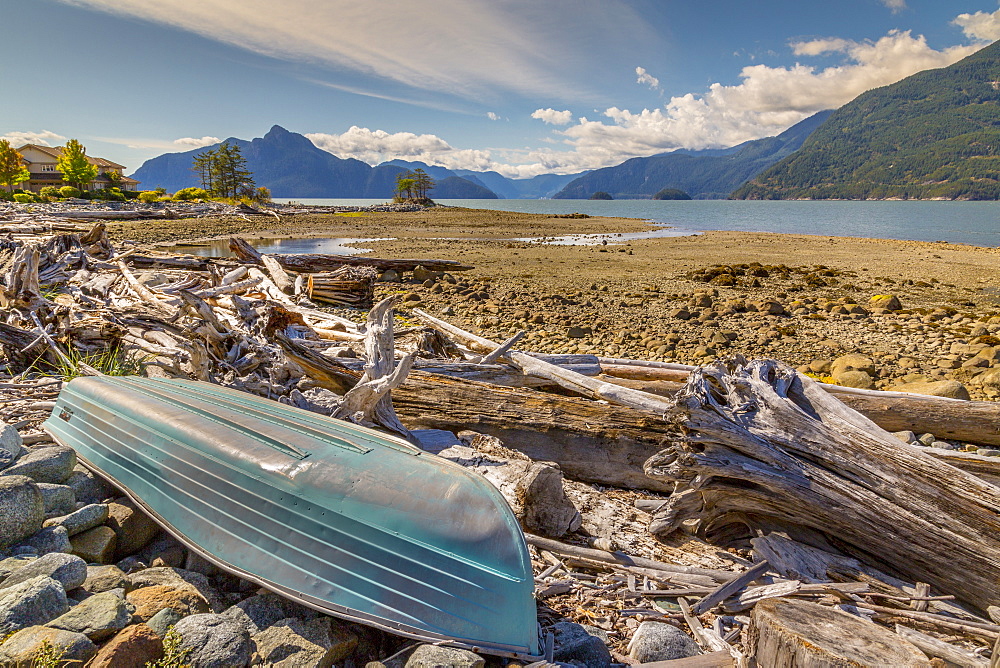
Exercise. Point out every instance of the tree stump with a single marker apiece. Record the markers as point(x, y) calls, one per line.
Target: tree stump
point(785, 632)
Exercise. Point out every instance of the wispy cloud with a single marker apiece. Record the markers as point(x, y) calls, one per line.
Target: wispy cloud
point(43, 138)
point(182, 144)
point(895, 5)
point(983, 26)
point(492, 115)
point(647, 79)
point(193, 142)
point(471, 48)
point(553, 117)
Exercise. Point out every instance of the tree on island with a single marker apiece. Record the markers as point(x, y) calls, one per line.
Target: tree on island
point(223, 172)
point(600, 194)
point(414, 184)
point(12, 169)
point(671, 193)
point(76, 169)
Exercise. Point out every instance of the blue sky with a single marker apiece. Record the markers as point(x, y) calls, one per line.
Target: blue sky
point(520, 86)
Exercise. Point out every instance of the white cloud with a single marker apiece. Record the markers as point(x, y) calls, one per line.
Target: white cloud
point(493, 116)
point(646, 78)
point(894, 5)
point(375, 146)
point(472, 48)
point(192, 142)
point(982, 26)
point(818, 47)
point(43, 138)
point(553, 117)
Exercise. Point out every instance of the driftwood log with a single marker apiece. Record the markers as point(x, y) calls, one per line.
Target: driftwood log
point(785, 632)
point(763, 443)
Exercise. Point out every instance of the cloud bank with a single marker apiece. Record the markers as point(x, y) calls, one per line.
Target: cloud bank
point(766, 102)
point(43, 138)
point(981, 25)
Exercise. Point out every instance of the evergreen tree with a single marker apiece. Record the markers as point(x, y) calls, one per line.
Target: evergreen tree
point(223, 172)
point(203, 168)
point(75, 167)
point(12, 169)
point(405, 185)
point(423, 183)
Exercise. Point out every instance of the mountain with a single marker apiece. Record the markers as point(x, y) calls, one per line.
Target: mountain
point(706, 174)
point(935, 134)
point(292, 166)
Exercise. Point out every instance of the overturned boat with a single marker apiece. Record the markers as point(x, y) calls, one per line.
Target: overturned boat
point(343, 519)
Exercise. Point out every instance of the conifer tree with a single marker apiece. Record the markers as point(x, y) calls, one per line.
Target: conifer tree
point(223, 172)
point(12, 169)
point(75, 167)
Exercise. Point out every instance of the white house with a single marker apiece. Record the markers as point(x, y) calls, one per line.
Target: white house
point(41, 162)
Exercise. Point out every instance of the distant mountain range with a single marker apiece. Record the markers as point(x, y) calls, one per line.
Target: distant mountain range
point(935, 134)
point(707, 174)
point(292, 166)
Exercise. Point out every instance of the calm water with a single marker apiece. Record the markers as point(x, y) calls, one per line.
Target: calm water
point(285, 246)
point(976, 223)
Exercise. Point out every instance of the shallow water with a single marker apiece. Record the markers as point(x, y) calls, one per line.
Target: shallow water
point(286, 246)
point(976, 223)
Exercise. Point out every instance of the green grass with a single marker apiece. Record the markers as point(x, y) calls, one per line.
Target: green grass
point(173, 655)
point(111, 361)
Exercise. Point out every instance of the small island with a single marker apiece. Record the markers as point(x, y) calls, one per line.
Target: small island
point(600, 194)
point(671, 193)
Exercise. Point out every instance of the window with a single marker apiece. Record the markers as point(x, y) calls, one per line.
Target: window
point(48, 168)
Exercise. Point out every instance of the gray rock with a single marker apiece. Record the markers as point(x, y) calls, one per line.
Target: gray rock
point(575, 645)
point(11, 564)
point(23, 551)
point(30, 603)
point(68, 569)
point(98, 617)
point(58, 499)
point(854, 378)
point(389, 276)
point(77, 521)
point(258, 612)
point(22, 649)
point(104, 578)
point(656, 641)
point(294, 642)
point(926, 439)
point(6, 459)
point(215, 641)
point(49, 539)
point(45, 463)
point(10, 441)
point(163, 620)
point(21, 509)
point(432, 656)
point(905, 436)
point(88, 487)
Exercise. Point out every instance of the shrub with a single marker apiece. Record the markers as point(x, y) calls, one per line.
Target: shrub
point(49, 191)
point(69, 191)
point(262, 194)
point(24, 198)
point(149, 196)
point(6, 196)
point(110, 194)
point(186, 194)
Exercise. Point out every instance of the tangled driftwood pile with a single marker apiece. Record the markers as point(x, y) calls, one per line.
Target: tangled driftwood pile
point(845, 545)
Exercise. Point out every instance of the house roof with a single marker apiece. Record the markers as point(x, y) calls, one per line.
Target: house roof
point(56, 152)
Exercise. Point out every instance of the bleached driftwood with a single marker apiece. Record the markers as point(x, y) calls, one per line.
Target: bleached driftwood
point(762, 442)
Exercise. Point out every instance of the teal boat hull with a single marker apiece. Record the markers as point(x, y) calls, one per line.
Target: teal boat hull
point(344, 519)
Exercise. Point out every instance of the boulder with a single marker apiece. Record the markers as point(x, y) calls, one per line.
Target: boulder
point(215, 641)
point(852, 362)
point(10, 440)
point(68, 570)
point(98, 617)
point(49, 539)
point(50, 463)
point(80, 520)
point(258, 612)
point(854, 378)
point(133, 527)
point(104, 578)
point(11, 564)
point(57, 499)
point(148, 601)
point(433, 656)
point(27, 647)
point(133, 647)
point(574, 644)
point(22, 509)
point(656, 641)
point(178, 577)
point(88, 487)
point(96, 545)
point(888, 302)
point(163, 620)
point(295, 642)
point(31, 603)
point(939, 388)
